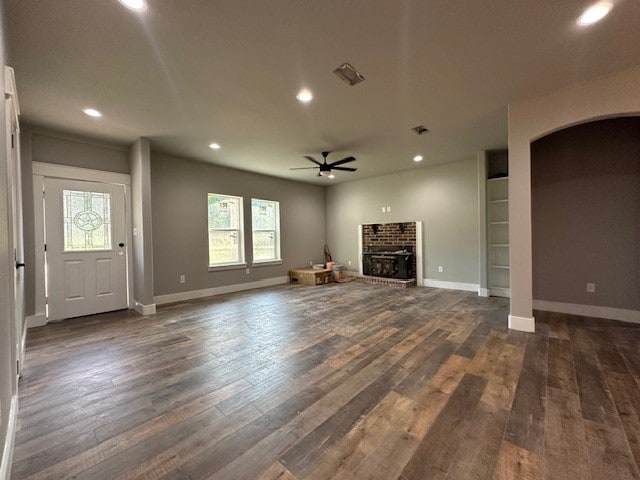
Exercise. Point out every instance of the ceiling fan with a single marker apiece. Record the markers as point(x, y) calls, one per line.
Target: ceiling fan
point(325, 167)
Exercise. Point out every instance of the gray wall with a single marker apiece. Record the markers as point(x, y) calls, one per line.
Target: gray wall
point(7, 347)
point(443, 197)
point(42, 145)
point(55, 147)
point(142, 251)
point(179, 190)
point(586, 214)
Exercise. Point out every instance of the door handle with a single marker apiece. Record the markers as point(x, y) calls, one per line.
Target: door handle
point(20, 265)
point(121, 244)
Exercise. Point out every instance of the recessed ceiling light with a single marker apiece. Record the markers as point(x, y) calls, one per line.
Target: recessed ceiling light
point(92, 112)
point(594, 13)
point(331, 175)
point(417, 158)
point(137, 5)
point(304, 95)
point(215, 146)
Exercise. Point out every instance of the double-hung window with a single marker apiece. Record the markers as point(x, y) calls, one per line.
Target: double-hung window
point(265, 220)
point(226, 242)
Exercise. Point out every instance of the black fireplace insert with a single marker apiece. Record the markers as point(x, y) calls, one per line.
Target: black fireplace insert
point(390, 261)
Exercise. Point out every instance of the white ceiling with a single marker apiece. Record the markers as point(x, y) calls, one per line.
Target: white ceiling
point(188, 72)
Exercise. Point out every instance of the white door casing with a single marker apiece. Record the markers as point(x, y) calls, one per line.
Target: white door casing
point(14, 198)
point(86, 252)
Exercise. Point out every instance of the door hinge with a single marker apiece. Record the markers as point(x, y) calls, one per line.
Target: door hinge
point(17, 367)
point(45, 247)
point(12, 142)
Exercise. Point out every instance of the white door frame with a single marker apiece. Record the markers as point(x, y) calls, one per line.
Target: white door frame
point(50, 170)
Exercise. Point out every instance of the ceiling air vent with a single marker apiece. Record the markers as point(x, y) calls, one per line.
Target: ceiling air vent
point(349, 74)
point(420, 129)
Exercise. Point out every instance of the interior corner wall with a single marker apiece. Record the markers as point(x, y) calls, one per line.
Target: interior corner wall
point(608, 96)
point(142, 248)
point(179, 189)
point(585, 205)
point(443, 197)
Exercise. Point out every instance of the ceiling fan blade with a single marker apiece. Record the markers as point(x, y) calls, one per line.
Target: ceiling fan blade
point(304, 168)
point(344, 160)
point(312, 160)
point(344, 169)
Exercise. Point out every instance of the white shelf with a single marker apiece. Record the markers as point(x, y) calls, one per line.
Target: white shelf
point(498, 270)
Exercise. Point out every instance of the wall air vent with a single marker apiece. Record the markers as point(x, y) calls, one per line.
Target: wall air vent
point(349, 74)
point(420, 129)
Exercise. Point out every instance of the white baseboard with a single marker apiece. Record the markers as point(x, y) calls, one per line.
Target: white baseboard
point(144, 309)
point(467, 287)
point(209, 292)
point(524, 324)
point(610, 313)
point(37, 320)
point(7, 450)
point(500, 292)
point(483, 292)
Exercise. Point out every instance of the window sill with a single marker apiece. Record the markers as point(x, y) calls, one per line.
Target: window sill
point(227, 266)
point(266, 263)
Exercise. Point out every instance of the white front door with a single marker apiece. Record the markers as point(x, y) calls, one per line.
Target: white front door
point(86, 255)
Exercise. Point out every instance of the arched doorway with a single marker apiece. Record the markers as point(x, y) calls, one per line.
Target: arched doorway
point(585, 216)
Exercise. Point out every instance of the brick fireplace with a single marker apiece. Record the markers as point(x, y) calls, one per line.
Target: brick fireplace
point(389, 250)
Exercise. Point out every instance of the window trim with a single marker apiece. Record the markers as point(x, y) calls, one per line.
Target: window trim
point(212, 267)
point(270, 261)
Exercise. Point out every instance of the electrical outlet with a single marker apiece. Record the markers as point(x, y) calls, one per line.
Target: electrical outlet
point(349, 262)
point(591, 287)
point(183, 279)
point(384, 209)
point(247, 271)
point(311, 263)
point(388, 208)
point(440, 269)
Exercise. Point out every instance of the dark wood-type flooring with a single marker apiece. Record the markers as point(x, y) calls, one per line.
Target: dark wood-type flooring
point(330, 382)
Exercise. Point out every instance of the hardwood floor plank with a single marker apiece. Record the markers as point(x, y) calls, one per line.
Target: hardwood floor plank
point(355, 454)
point(515, 463)
point(595, 399)
point(478, 452)
point(503, 378)
point(561, 370)
point(626, 395)
point(525, 428)
point(565, 439)
point(609, 453)
point(277, 471)
point(436, 451)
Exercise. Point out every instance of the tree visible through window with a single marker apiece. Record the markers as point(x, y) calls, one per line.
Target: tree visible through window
point(265, 220)
point(226, 243)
